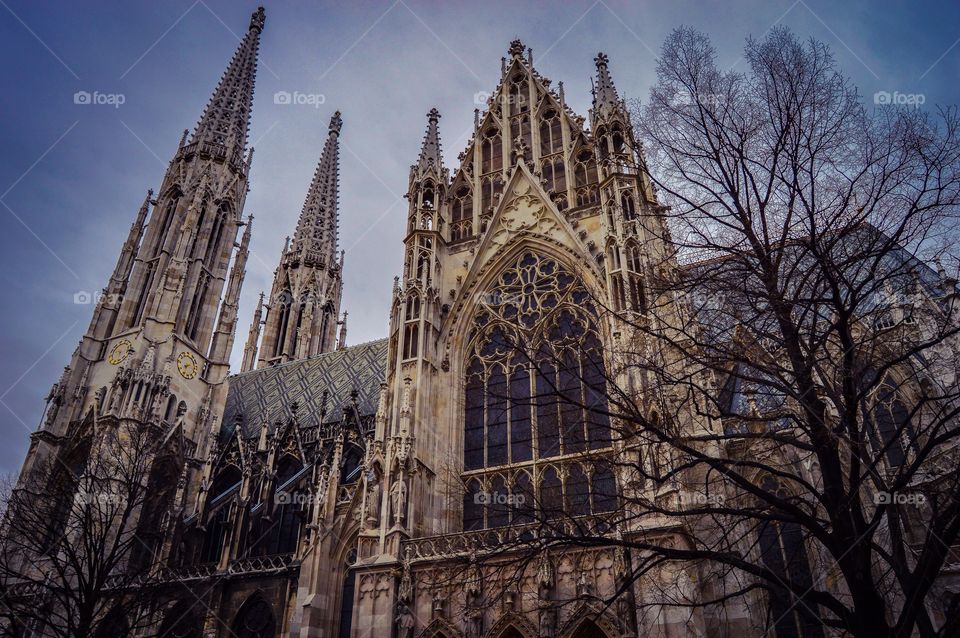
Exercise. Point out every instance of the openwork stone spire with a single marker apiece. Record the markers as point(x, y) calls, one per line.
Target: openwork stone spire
point(430, 151)
point(226, 118)
point(304, 302)
point(605, 96)
point(315, 239)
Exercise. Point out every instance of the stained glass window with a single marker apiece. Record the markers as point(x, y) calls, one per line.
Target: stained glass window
point(534, 389)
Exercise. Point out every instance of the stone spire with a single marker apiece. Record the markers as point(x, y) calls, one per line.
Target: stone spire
point(430, 151)
point(342, 341)
point(227, 321)
point(227, 116)
point(304, 303)
point(605, 96)
point(315, 240)
point(253, 338)
point(121, 272)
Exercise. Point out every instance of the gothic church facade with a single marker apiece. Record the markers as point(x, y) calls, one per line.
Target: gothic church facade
point(331, 490)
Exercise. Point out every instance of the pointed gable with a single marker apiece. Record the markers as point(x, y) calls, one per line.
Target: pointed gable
point(524, 118)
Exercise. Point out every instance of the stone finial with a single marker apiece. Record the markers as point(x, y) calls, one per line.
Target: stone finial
point(258, 19)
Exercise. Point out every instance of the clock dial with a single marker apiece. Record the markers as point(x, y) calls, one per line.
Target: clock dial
point(187, 365)
point(120, 351)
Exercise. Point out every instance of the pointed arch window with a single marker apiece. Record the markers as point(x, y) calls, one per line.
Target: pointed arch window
point(490, 186)
point(226, 483)
point(212, 252)
point(534, 385)
point(193, 324)
point(347, 593)
point(520, 128)
point(629, 206)
point(148, 277)
point(62, 490)
point(519, 96)
point(413, 307)
point(197, 229)
point(461, 219)
point(890, 423)
point(784, 554)
point(551, 133)
point(554, 175)
point(491, 151)
point(255, 620)
point(617, 139)
point(161, 490)
point(279, 345)
point(426, 197)
point(165, 222)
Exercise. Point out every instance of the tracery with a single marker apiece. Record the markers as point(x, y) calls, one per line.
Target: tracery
point(535, 389)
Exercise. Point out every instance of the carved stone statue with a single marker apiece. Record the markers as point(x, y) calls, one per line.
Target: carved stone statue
point(398, 496)
point(473, 621)
point(374, 493)
point(548, 622)
point(405, 622)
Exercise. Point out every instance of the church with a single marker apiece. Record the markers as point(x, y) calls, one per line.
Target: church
point(332, 490)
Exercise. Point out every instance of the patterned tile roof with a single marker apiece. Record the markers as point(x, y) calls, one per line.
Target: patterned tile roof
point(265, 395)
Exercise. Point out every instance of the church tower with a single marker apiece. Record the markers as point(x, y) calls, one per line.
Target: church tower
point(511, 262)
point(304, 302)
point(156, 352)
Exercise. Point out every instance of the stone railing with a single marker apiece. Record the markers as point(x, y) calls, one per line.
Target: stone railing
point(464, 543)
point(216, 151)
point(240, 566)
point(261, 564)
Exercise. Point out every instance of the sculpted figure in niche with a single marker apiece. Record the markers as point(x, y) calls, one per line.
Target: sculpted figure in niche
point(374, 492)
point(398, 495)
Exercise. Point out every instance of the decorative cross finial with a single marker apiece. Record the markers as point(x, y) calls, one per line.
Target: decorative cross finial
point(516, 48)
point(336, 123)
point(258, 19)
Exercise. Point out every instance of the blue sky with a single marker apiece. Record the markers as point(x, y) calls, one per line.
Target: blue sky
point(73, 175)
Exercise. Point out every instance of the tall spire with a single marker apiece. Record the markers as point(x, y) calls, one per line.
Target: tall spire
point(430, 151)
point(227, 116)
point(605, 96)
point(253, 338)
point(315, 239)
point(227, 322)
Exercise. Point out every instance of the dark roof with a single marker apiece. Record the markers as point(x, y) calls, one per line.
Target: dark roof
point(265, 395)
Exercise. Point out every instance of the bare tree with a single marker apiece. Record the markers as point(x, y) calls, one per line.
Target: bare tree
point(79, 537)
point(785, 395)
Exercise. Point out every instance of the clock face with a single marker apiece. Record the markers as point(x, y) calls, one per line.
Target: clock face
point(120, 351)
point(187, 365)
